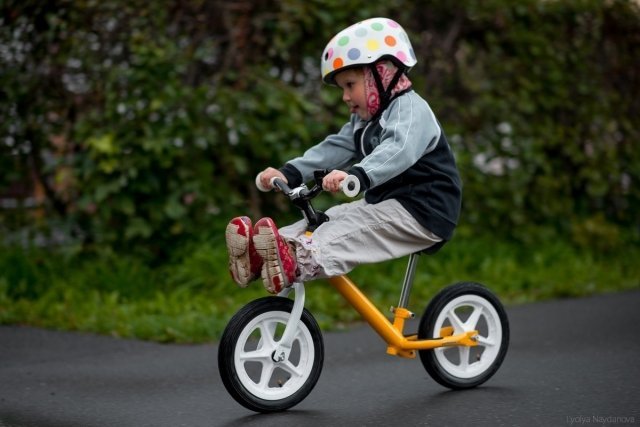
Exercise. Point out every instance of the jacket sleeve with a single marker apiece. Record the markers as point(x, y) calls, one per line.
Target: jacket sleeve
point(409, 132)
point(337, 151)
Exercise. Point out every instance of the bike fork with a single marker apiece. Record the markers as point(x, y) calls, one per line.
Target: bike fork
point(284, 345)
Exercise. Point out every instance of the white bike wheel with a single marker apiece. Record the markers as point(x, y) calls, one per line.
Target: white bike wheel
point(253, 357)
point(248, 368)
point(465, 307)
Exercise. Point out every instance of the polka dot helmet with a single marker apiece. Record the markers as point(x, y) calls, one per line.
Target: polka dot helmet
point(365, 43)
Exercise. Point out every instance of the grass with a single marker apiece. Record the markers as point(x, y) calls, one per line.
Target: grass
point(191, 299)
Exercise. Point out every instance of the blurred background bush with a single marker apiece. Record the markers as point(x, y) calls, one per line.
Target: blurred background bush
point(136, 128)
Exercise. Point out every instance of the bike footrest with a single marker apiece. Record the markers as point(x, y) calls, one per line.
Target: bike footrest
point(407, 354)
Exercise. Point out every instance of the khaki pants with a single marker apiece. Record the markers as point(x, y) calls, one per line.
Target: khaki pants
point(357, 233)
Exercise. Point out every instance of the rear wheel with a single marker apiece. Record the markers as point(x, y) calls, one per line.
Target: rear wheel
point(460, 308)
point(246, 356)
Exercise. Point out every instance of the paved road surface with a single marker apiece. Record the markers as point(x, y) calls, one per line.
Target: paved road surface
point(570, 363)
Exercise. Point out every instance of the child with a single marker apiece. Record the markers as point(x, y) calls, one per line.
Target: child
point(392, 143)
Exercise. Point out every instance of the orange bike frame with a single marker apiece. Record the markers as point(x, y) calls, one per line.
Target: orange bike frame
point(392, 333)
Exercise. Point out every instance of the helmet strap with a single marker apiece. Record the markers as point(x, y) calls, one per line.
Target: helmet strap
point(385, 94)
point(379, 86)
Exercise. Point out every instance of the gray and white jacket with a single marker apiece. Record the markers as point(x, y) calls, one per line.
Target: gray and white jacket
point(402, 154)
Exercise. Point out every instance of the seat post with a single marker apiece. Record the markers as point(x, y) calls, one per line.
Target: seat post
point(408, 280)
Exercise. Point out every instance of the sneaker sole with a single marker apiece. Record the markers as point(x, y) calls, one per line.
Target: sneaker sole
point(239, 261)
point(266, 244)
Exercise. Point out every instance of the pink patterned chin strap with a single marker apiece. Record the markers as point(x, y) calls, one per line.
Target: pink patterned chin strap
point(386, 70)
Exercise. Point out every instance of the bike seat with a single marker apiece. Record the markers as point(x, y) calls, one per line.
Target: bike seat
point(432, 249)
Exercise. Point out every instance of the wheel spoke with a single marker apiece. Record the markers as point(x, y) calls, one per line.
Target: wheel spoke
point(266, 374)
point(464, 358)
point(268, 332)
point(292, 369)
point(472, 321)
point(486, 341)
point(458, 325)
point(255, 355)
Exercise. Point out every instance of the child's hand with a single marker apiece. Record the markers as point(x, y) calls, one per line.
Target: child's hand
point(331, 182)
point(264, 178)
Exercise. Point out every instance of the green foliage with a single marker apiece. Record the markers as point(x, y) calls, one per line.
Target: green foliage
point(130, 133)
point(535, 97)
point(144, 126)
point(192, 298)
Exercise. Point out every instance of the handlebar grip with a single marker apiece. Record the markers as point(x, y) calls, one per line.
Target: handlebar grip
point(259, 184)
point(350, 186)
point(280, 184)
point(274, 182)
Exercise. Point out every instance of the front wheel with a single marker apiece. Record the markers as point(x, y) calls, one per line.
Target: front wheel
point(460, 308)
point(246, 356)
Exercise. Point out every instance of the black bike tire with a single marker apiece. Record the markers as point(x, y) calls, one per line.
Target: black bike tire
point(427, 324)
point(227, 347)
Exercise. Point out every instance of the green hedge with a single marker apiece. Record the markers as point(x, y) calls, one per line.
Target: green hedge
point(145, 125)
point(192, 298)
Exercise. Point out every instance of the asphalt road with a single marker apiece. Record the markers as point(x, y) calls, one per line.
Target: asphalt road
point(570, 363)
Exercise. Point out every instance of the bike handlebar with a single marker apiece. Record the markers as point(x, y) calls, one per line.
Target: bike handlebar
point(350, 186)
point(301, 196)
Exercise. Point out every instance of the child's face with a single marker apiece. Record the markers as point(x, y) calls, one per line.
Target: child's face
point(353, 91)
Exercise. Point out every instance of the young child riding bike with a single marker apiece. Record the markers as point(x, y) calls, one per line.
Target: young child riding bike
point(392, 143)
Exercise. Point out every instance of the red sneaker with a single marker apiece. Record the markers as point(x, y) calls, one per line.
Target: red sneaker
point(279, 268)
point(245, 263)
